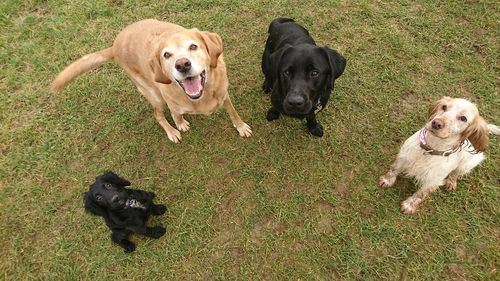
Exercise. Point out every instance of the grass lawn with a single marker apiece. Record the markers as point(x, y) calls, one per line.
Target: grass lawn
point(281, 205)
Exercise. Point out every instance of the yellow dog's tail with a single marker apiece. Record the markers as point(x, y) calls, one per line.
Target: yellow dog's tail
point(82, 65)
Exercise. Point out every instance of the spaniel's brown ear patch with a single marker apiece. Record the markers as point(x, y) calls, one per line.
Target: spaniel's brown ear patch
point(213, 43)
point(155, 64)
point(477, 134)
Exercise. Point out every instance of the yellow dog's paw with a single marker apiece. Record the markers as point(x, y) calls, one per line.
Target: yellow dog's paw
point(183, 126)
point(244, 130)
point(174, 136)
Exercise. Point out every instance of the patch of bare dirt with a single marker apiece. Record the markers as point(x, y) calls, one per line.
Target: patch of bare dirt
point(268, 224)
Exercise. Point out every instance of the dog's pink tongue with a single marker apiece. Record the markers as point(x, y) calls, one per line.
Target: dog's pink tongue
point(192, 85)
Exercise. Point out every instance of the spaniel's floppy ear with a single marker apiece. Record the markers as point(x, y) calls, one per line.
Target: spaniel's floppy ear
point(435, 106)
point(213, 42)
point(337, 62)
point(114, 179)
point(91, 206)
point(477, 134)
point(155, 64)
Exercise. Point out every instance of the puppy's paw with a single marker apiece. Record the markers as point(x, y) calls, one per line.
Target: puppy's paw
point(450, 185)
point(244, 130)
point(157, 232)
point(159, 210)
point(266, 88)
point(174, 135)
point(128, 246)
point(272, 115)
point(410, 205)
point(384, 181)
point(316, 130)
point(151, 195)
point(183, 126)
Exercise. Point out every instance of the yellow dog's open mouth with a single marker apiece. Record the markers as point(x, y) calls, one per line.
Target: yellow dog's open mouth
point(193, 86)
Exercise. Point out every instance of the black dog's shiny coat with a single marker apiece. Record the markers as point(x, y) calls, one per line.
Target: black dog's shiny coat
point(125, 210)
point(300, 74)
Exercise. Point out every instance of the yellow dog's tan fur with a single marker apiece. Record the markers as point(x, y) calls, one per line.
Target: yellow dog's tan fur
point(140, 48)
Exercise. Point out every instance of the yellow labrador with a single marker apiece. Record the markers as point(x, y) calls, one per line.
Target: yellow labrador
point(182, 68)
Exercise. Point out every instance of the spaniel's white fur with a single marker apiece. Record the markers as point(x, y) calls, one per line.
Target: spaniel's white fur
point(454, 127)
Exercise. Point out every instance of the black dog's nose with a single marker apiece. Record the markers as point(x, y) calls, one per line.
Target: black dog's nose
point(437, 124)
point(296, 101)
point(183, 65)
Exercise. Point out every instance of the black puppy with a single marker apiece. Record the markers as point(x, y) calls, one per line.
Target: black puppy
point(300, 74)
point(125, 210)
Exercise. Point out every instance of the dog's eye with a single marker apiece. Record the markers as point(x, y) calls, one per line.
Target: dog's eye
point(314, 73)
point(286, 73)
point(463, 118)
point(193, 47)
point(98, 197)
point(444, 107)
point(167, 55)
point(107, 185)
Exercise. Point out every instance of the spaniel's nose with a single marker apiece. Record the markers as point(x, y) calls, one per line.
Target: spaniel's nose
point(183, 65)
point(437, 124)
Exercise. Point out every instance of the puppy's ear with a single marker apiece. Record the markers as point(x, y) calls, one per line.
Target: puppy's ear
point(435, 106)
point(337, 62)
point(156, 69)
point(213, 43)
point(275, 62)
point(91, 206)
point(477, 134)
point(114, 179)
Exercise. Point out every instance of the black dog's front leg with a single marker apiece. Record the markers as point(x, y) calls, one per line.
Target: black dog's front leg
point(272, 114)
point(313, 126)
point(120, 237)
point(158, 210)
point(266, 88)
point(153, 232)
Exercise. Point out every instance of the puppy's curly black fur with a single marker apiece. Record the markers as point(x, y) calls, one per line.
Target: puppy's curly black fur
point(125, 210)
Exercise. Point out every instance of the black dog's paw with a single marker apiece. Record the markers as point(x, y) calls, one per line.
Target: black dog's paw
point(316, 130)
point(159, 210)
point(157, 232)
point(265, 87)
point(128, 246)
point(272, 114)
point(151, 195)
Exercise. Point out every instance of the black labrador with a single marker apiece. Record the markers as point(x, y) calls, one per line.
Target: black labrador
point(125, 210)
point(300, 74)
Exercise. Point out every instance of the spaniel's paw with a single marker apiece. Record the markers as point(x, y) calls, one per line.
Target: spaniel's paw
point(384, 181)
point(410, 205)
point(450, 185)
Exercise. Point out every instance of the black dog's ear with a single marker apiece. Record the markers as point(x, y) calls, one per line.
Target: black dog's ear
point(114, 179)
point(91, 206)
point(337, 62)
point(275, 61)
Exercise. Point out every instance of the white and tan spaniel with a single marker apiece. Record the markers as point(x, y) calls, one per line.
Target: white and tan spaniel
point(450, 145)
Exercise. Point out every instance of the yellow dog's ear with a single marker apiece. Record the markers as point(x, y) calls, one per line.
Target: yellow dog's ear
point(213, 42)
point(155, 64)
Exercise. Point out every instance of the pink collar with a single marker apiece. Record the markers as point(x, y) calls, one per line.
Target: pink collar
point(430, 150)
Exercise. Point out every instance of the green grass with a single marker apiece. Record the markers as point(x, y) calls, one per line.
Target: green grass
point(281, 205)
